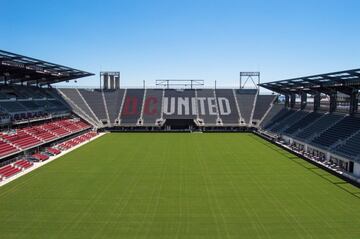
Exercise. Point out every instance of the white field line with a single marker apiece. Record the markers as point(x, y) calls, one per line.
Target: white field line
point(52, 158)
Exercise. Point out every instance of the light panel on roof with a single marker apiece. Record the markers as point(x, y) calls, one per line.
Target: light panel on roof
point(315, 78)
point(339, 75)
point(349, 77)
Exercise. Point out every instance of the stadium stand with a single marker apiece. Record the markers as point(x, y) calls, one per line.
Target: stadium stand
point(148, 107)
point(271, 113)
point(23, 164)
point(132, 107)
point(246, 100)
point(113, 100)
point(94, 100)
point(33, 115)
point(13, 107)
point(40, 157)
point(350, 148)
point(53, 151)
point(56, 129)
point(288, 121)
point(227, 107)
point(76, 101)
point(77, 140)
point(152, 106)
point(5, 118)
point(41, 132)
point(282, 114)
point(7, 148)
point(33, 110)
point(21, 139)
point(15, 140)
point(263, 103)
point(8, 171)
point(54, 107)
point(302, 123)
point(342, 130)
point(207, 111)
point(317, 127)
point(31, 106)
point(327, 131)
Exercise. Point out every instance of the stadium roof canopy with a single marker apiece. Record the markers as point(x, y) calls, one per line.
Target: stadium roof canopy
point(344, 81)
point(16, 68)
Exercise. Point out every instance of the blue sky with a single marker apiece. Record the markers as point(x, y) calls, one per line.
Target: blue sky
point(186, 39)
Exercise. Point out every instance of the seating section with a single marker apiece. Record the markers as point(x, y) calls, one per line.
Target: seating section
point(32, 106)
point(77, 140)
point(113, 101)
point(152, 106)
point(99, 106)
point(5, 118)
point(26, 102)
point(95, 101)
point(24, 164)
point(207, 106)
point(6, 148)
point(72, 125)
point(53, 151)
point(76, 101)
point(40, 132)
point(40, 157)
point(283, 113)
point(32, 136)
point(350, 148)
point(318, 126)
point(8, 171)
point(227, 107)
point(333, 132)
point(303, 123)
point(53, 106)
point(132, 107)
point(246, 99)
point(338, 132)
point(22, 139)
point(275, 110)
point(26, 92)
point(16, 140)
point(56, 129)
point(262, 105)
point(4, 96)
point(288, 121)
point(13, 107)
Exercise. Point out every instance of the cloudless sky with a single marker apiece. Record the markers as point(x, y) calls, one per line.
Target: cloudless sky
point(186, 39)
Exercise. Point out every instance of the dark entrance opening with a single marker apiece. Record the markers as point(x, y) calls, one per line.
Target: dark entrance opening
point(180, 123)
point(351, 167)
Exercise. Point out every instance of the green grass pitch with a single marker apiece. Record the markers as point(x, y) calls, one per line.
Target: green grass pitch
point(179, 186)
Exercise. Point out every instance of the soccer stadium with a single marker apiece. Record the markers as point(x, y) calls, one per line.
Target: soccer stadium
point(176, 158)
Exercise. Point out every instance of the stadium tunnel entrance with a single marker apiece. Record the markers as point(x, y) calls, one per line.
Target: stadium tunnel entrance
point(180, 124)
